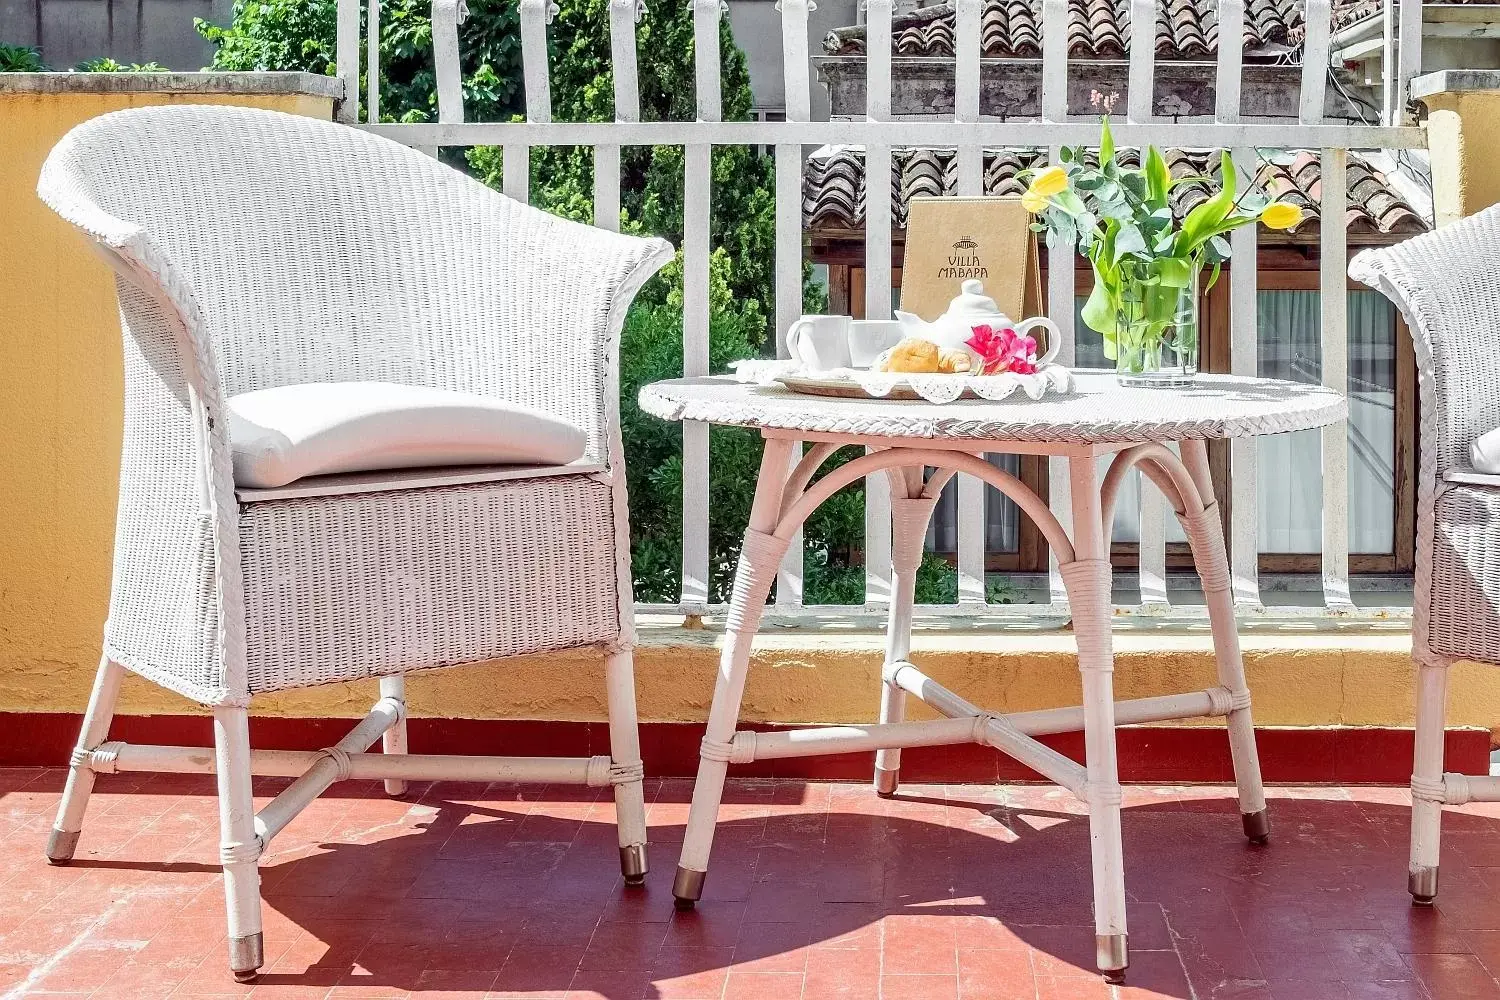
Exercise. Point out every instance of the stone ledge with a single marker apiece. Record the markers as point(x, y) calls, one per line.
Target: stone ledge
point(302, 84)
point(1454, 81)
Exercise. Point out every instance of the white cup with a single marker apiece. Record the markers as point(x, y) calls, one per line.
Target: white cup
point(870, 338)
point(821, 343)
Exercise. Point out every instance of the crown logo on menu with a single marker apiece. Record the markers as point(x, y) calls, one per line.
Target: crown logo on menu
point(953, 240)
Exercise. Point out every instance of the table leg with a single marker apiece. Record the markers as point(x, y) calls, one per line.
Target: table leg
point(759, 559)
point(1088, 580)
point(1206, 534)
point(910, 512)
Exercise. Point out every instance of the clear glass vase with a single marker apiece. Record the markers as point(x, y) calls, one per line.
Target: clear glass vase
point(1156, 334)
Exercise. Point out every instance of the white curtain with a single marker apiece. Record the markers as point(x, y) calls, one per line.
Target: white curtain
point(1290, 466)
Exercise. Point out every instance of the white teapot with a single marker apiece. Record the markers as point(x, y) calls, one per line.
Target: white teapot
point(971, 308)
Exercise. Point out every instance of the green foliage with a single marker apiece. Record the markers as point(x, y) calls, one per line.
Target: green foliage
point(20, 59)
point(1145, 264)
point(104, 64)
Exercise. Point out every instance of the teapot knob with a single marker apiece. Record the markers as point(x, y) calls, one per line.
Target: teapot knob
point(972, 286)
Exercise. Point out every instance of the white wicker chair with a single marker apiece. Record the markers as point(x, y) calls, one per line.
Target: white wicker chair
point(256, 249)
point(1447, 285)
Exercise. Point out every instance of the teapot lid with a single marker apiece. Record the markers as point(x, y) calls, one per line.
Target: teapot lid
point(972, 300)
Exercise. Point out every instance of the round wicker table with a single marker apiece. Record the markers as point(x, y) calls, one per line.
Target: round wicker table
point(920, 446)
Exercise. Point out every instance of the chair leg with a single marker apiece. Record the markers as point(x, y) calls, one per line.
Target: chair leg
point(1088, 580)
point(910, 515)
point(63, 840)
point(1206, 534)
point(625, 756)
point(239, 848)
point(1427, 784)
point(759, 558)
point(393, 740)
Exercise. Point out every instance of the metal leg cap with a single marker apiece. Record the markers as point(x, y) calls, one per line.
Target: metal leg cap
point(246, 956)
point(633, 864)
point(1257, 826)
point(1422, 883)
point(395, 788)
point(687, 888)
point(61, 845)
point(1112, 955)
point(886, 781)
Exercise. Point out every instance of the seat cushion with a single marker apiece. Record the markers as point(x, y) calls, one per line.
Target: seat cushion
point(283, 434)
point(1484, 452)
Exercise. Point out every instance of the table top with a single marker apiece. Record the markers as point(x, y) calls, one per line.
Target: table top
point(1098, 411)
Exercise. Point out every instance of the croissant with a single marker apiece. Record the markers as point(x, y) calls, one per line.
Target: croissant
point(916, 355)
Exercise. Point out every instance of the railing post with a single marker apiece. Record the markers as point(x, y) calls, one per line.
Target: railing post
point(697, 201)
point(1244, 333)
point(1060, 281)
point(623, 15)
point(346, 58)
point(789, 303)
point(971, 491)
point(878, 224)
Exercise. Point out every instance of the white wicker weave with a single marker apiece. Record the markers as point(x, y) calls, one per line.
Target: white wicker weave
point(256, 249)
point(1099, 411)
point(1447, 286)
point(920, 446)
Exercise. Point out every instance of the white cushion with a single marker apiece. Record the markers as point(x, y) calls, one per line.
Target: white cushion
point(284, 434)
point(1484, 452)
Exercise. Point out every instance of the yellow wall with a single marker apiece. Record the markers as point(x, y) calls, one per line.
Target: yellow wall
point(1465, 148)
point(60, 409)
point(60, 405)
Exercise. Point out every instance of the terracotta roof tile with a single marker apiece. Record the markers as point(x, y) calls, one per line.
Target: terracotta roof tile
point(1098, 29)
point(834, 187)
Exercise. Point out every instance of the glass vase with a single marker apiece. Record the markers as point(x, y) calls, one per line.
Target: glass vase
point(1156, 333)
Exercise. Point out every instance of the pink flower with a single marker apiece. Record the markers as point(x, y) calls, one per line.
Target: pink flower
point(1003, 351)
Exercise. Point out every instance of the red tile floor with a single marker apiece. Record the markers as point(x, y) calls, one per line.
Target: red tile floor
point(817, 890)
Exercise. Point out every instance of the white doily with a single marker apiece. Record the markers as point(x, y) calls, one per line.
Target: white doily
point(933, 388)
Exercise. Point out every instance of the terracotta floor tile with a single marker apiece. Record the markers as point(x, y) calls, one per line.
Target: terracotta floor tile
point(817, 891)
point(919, 987)
point(763, 986)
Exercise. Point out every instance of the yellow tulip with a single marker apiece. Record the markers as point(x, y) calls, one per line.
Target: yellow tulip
point(1052, 181)
point(1033, 203)
point(1281, 215)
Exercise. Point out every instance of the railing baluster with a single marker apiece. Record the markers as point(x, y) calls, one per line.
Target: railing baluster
point(346, 58)
point(446, 66)
point(372, 63)
point(1244, 359)
point(971, 491)
point(535, 16)
point(1409, 58)
point(1231, 58)
point(789, 236)
point(1244, 541)
point(697, 196)
point(1314, 62)
point(1335, 296)
point(1142, 87)
point(1152, 545)
point(878, 279)
point(623, 15)
point(1060, 281)
point(1389, 68)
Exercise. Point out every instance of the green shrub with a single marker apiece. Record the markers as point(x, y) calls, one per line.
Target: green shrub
point(20, 59)
point(104, 64)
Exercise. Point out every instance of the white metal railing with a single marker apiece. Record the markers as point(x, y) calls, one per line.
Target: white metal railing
point(968, 132)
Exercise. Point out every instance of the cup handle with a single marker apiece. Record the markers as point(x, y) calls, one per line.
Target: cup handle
point(1054, 336)
point(793, 340)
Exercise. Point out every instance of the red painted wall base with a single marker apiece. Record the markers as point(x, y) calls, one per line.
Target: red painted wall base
point(1148, 754)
